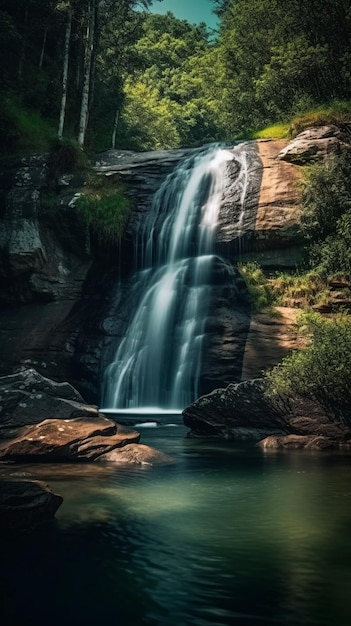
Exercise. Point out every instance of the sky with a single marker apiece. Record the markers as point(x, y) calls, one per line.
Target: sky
point(194, 11)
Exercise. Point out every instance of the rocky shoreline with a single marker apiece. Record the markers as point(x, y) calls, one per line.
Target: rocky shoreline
point(43, 421)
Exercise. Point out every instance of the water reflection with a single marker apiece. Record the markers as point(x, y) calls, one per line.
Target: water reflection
point(227, 535)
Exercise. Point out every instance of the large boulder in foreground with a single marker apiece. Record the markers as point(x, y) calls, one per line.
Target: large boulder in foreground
point(42, 420)
point(28, 398)
point(79, 439)
point(26, 503)
point(243, 411)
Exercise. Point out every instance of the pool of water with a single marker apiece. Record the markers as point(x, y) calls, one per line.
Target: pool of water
point(225, 535)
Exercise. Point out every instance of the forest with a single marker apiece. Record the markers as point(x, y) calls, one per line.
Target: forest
point(108, 73)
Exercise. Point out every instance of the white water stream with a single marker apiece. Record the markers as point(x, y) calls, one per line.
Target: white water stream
point(157, 363)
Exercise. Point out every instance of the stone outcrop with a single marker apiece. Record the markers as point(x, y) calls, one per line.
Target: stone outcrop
point(269, 339)
point(26, 503)
point(44, 261)
point(316, 144)
point(79, 439)
point(28, 398)
point(41, 420)
point(243, 411)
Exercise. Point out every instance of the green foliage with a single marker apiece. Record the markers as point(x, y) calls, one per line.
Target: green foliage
point(258, 286)
point(326, 215)
point(320, 371)
point(337, 112)
point(300, 289)
point(277, 131)
point(105, 209)
point(22, 129)
point(171, 99)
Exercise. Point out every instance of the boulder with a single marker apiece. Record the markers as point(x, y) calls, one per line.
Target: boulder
point(297, 442)
point(315, 144)
point(243, 411)
point(137, 454)
point(28, 398)
point(79, 439)
point(26, 503)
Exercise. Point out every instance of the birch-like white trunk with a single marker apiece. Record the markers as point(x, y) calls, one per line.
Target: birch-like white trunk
point(114, 132)
point(84, 109)
point(65, 74)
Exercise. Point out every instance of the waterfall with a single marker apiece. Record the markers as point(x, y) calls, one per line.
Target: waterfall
point(158, 361)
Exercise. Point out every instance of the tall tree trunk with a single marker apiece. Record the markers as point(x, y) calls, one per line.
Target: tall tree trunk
point(114, 132)
point(65, 74)
point(84, 110)
point(42, 52)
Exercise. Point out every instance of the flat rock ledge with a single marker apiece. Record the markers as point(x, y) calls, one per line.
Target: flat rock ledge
point(242, 411)
point(26, 503)
point(45, 421)
point(77, 440)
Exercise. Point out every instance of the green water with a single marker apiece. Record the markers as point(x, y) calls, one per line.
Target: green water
point(225, 535)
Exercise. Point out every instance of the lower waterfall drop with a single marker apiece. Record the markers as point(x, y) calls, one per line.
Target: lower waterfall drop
point(157, 364)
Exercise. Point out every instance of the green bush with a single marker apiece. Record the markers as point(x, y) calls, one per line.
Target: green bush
point(326, 215)
point(105, 209)
point(258, 286)
point(22, 130)
point(321, 371)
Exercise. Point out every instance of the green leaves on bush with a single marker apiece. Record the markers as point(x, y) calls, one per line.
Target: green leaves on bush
point(105, 209)
point(326, 216)
point(321, 371)
point(258, 286)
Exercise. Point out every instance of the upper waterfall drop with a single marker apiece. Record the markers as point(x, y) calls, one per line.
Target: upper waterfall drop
point(158, 361)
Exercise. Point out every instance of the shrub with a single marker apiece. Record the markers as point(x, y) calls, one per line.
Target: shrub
point(338, 112)
point(258, 286)
point(105, 209)
point(321, 371)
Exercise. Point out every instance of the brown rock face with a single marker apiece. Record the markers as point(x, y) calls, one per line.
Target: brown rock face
point(26, 503)
point(316, 144)
point(269, 339)
point(278, 212)
point(67, 440)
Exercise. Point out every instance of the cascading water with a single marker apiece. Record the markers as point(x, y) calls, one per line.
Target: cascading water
point(157, 363)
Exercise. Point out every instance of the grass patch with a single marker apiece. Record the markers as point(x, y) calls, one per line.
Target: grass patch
point(258, 285)
point(277, 131)
point(300, 290)
point(104, 208)
point(338, 112)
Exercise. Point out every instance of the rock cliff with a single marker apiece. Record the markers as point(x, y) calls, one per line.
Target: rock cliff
point(56, 305)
